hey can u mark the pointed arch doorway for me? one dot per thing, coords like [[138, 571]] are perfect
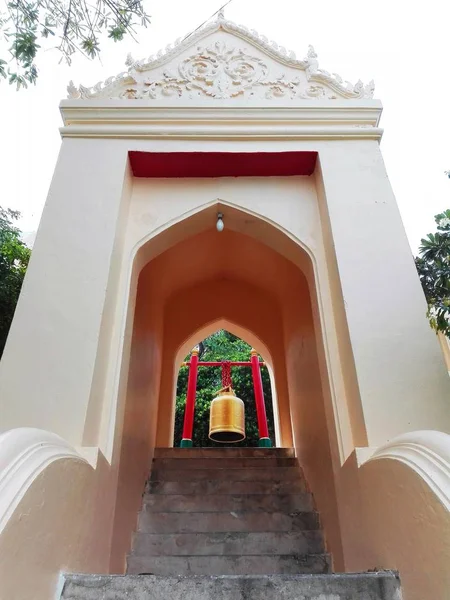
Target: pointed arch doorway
[[251, 278], [187, 279]]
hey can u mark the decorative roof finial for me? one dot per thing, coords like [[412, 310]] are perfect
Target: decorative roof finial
[[130, 60], [311, 59], [311, 52], [72, 91]]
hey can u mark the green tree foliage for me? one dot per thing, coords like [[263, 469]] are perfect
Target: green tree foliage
[[14, 257], [74, 25], [433, 266], [222, 345]]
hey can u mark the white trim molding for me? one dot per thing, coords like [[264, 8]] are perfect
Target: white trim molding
[[318, 120], [24, 453], [427, 453]]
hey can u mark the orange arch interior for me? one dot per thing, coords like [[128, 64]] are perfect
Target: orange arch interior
[[254, 277]]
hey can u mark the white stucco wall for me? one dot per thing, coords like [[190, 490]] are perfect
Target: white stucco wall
[[399, 364], [57, 323]]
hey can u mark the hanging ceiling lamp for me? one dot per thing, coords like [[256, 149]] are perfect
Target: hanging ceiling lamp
[[220, 224]]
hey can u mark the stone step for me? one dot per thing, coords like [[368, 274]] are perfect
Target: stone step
[[192, 522], [229, 565], [228, 544], [345, 586], [223, 463], [224, 452], [228, 502], [222, 486], [244, 474]]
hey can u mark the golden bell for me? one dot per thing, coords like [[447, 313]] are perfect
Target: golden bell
[[227, 418]]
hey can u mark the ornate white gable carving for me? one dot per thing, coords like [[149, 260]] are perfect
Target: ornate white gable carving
[[230, 62]]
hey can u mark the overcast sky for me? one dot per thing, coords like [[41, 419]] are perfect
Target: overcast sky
[[403, 46]]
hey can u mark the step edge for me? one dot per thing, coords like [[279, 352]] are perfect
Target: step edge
[[296, 495], [234, 468], [234, 556], [369, 574], [293, 513], [217, 532], [213, 450], [206, 494]]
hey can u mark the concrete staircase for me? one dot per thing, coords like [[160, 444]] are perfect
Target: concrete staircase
[[233, 523], [227, 512]]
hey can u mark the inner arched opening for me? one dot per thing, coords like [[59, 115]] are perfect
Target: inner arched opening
[[224, 347]]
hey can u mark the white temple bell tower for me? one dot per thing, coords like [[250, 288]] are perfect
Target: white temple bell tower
[[313, 263]]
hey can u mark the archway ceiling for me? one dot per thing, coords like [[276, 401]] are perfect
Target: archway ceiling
[[239, 221], [229, 255]]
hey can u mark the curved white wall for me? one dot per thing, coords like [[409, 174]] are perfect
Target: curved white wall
[[405, 492], [55, 513]]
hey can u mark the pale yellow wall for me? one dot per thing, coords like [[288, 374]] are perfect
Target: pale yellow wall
[[406, 528], [77, 302], [139, 430], [422, 531], [399, 366], [64, 294], [311, 436], [351, 430], [155, 204], [91, 351], [92, 435], [62, 523], [444, 342]]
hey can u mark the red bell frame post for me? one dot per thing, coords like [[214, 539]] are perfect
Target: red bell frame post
[[264, 439], [188, 425]]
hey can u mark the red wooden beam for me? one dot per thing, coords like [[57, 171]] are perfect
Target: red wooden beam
[[219, 364], [222, 164]]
